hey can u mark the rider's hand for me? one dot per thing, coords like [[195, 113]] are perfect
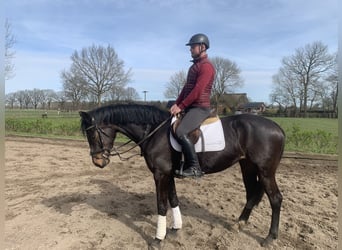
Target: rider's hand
[[174, 110]]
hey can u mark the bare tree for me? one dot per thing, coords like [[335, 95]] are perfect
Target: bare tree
[[307, 67], [27, 98], [74, 86], [61, 99], [48, 97], [21, 98], [130, 94], [227, 77], [175, 85], [332, 86], [286, 90], [9, 53], [117, 91], [37, 97], [100, 68], [11, 99]]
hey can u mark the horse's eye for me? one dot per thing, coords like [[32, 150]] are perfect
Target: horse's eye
[[93, 136]]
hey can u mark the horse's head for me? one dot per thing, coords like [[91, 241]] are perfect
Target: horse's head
[[100, 138]]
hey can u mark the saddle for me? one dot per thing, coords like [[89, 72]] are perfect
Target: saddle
[[195, 134]]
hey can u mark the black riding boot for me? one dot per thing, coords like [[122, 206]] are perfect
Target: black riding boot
[[192, 167]]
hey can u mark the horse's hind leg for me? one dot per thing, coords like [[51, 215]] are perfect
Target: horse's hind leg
[[275, 198], [257, 182], [254, 189]]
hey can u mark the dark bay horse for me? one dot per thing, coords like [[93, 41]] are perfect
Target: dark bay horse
[[255, 142]]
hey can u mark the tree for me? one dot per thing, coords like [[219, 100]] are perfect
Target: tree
[[61, 99], [37, 96], [27, 98], [116, 93], [100, 68], [303, 72], [227, 77], [9, 53], [286, 91], [175, 85], [21, 98], [332, 86], [130, 94], [11, 99], [49, 96], [74, 86]]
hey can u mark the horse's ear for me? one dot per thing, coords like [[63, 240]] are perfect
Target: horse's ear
[[85, 116]]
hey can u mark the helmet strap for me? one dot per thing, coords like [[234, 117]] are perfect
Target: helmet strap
[[201, 51]]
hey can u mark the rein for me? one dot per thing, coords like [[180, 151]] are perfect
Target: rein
[[117, 153]]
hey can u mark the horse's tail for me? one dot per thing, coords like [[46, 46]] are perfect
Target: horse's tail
[[283, 139]]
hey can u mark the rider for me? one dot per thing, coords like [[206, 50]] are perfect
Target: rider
[[194, 100]]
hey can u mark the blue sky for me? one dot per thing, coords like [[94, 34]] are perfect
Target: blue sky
[[150, 36]]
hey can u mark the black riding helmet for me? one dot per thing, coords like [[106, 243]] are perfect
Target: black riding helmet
[[199, 39]]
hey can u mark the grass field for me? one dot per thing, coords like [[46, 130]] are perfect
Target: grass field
[[309, 124], [30, 122], [313, 135], [31, 113]]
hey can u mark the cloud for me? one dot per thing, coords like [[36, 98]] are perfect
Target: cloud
[[150, 36]]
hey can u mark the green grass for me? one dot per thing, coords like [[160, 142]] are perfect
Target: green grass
[[56, 125], [309, 124], [31, 113], [313, 135]]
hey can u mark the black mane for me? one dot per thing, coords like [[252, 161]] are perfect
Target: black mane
[[122, 114]]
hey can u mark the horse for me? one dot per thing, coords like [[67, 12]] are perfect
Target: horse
[[257, 143]]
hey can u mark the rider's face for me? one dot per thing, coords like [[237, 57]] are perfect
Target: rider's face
[[195, 50]]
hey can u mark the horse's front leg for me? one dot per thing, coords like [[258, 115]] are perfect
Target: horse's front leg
[[173, 199], [162, 182]]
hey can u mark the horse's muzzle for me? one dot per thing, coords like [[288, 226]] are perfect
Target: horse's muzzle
[[101, 159]]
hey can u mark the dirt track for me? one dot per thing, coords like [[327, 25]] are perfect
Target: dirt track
[[56, 199]]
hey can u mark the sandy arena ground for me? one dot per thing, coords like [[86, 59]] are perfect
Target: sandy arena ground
[[56, 199]]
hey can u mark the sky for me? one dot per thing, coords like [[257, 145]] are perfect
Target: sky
[[150, 37]]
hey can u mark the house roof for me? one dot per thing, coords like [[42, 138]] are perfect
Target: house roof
[[234, 99]]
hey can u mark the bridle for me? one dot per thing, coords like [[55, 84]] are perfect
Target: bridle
[[107, 152]]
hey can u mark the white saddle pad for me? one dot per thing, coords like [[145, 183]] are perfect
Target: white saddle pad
[[213, 137]]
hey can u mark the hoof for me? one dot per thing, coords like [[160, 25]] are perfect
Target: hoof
[[238, 226], [155, 244], [172, 233], [269, 239], [178, 174]]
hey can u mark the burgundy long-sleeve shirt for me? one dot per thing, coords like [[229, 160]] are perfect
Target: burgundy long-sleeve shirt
[[197, 89]]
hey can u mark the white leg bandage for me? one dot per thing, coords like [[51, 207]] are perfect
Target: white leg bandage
[[161, 227], [177, 218]]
